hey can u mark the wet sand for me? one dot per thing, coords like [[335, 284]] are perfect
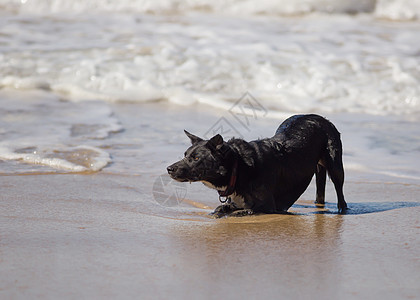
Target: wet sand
[[105, 236]]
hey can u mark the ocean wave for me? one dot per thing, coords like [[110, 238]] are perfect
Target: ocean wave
[[391, 9], [315, 63], [311, 64]]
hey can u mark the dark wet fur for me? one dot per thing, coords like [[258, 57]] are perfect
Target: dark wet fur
[[272, 173]]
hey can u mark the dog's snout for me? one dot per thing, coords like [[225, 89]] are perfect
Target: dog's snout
[[171, 169]]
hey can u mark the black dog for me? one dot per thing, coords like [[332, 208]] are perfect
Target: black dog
[[267, 175]]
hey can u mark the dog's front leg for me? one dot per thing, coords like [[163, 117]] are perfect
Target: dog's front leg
[[241, 212], [223, 210]]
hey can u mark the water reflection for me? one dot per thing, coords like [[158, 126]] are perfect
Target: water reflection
[[291, 250]]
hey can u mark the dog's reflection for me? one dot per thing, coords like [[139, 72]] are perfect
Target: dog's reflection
[[290, 248]]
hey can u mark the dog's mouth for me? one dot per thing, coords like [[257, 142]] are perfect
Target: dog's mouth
[[181, 177]]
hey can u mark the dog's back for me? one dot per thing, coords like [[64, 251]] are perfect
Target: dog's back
[[301, 125]]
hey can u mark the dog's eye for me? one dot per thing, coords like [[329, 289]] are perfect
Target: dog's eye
[[196, 158]]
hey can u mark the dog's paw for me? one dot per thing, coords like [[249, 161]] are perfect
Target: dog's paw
[[343, 210], [217, 215], [241, 213], [221, 211]]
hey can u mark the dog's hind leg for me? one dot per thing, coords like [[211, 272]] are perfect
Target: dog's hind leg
[[336, 171], [321, 176], [334, 165], [285, 199]]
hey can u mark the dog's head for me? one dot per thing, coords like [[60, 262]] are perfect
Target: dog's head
[[206, 160]]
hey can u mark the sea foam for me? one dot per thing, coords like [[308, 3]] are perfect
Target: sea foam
[[334, 63], [38, 128], [71, 159], [393, 9]]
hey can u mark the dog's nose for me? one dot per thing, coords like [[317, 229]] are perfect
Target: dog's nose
[[170, 169]]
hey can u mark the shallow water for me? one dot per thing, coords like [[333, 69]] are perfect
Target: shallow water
[[41, 133], [93, 107]]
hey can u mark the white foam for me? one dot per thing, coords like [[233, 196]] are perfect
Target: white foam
[[37, 128], [72, 159], [238, 7], [390, 9], [317, 63], [399, 10]]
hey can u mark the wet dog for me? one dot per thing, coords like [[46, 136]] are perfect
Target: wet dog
[[267, 175]]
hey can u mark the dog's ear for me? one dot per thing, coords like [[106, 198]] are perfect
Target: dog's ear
[[246, 153], [249, 161], [194, 139], [216, 141]]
